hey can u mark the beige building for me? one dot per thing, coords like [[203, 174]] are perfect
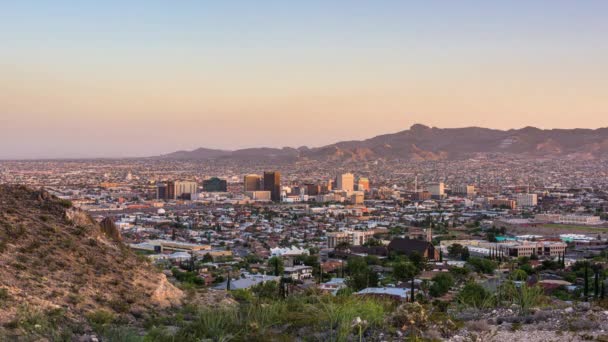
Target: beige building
[[466, 190], [346, 182], [252, 183], [263, 196], [526, 200], [436, 189], [357, 197], [180, 189], [352, 237], [502, 202], [542, 248]]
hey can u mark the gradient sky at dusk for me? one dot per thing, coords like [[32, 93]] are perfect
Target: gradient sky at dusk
[[137, 78]]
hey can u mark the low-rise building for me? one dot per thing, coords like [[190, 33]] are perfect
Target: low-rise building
[[299, 272]]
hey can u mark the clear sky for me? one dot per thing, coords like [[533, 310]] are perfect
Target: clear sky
[[137, 78]]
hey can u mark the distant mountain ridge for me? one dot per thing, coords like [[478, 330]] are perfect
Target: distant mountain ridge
[[422, 142]]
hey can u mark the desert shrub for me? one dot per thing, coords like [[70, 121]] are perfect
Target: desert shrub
[[3, 244], [524, 296], [65, 203], [478, 326], [411, 318], [4, 296], [242, 295], [100, 318], [36, 321], [474, 295], [218, 325], [121, 334], [119, 305], [187, 277]]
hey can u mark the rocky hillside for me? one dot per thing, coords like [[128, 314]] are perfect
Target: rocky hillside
[[54, 258], [431, 143]]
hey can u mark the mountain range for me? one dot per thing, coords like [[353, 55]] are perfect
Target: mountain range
[[421, 142]]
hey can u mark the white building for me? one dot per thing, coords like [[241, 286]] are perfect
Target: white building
[[352, 237], [299, 272], [289, 251], [526, 200]]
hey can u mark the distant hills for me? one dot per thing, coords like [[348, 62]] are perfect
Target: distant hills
[[421, 142]]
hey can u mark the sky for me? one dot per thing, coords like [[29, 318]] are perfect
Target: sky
[[140, 78]]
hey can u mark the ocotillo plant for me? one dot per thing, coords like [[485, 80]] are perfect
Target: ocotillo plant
[[586, 288]]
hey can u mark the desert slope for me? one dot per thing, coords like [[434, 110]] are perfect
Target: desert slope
[[54, 257]]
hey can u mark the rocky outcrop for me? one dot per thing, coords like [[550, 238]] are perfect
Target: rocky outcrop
[[53, 256], [165, 294], [109, 229]]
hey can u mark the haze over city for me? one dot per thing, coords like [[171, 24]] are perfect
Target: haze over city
[[144, 78]]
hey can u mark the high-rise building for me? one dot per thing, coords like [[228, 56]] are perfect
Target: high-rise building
[[437, 190], [272, 183], [363, 184], [252, 183], [330, 185], [466, 190], [215, 184], [313, 189], [526, 200], [185, 189], [170, 190], [346, 182], [161, 191], [180, 190]]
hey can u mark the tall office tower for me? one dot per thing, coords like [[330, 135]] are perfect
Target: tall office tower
[[252, 183], [346, 182], [363, 184], [272, 183], [436, 189], [215, 184], [184, 189], [161, 191], [170, 190]]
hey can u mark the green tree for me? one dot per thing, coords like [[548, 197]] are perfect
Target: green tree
[[266, 290], [482, 265], [455, 250], [518, 275], [276, 264], [473, 295], [360, 274], [441, 284], [404, 270]]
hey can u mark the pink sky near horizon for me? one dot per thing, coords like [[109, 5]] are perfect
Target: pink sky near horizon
[[92, 83]]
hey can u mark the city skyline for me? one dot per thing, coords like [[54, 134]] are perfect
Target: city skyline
[[143, 79]]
